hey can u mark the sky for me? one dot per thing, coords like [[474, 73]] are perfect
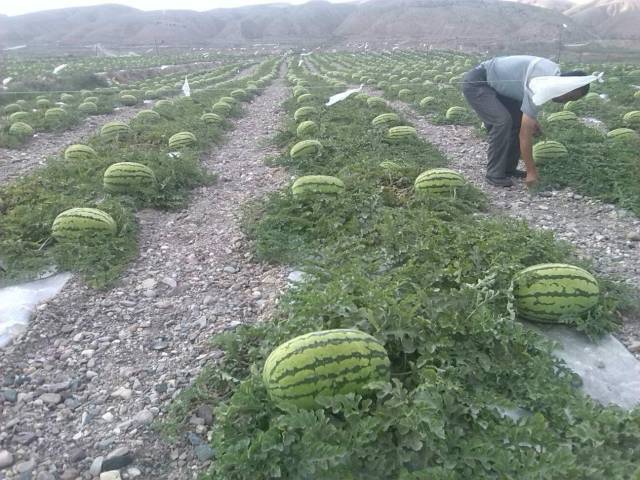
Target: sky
[[9, 7]]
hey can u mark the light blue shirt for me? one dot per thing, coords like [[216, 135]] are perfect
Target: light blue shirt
[[509, 76]]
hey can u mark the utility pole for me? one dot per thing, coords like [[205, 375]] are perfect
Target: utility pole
[[560, 31]]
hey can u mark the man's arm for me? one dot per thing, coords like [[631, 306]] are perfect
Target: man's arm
[[528, 129]]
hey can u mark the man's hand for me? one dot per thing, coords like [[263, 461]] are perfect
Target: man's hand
[[532, 180]]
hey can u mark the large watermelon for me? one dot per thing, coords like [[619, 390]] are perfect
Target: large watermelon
[[549, 150], [632, 119], [306, 148], [456, 114], [148, 116], [401, 133], [304, 113], [20, 129], [211, 118], [317, 184], [622, 134], [79, 152], [307, 128], [386, 119], [324, 363], [554, 292], [438, 180], [114, 130], [182, 140], [82, 223], [566, 116], [88, 108], [128, 177], [376, 102]]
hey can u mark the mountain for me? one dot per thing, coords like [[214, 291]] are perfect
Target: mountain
[[609, 18], [558, 5], [442, 22]]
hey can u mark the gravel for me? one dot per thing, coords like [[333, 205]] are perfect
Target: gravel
[[95, 368]]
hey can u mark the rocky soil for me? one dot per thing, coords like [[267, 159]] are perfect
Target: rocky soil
[[610, 236], [82, 388]]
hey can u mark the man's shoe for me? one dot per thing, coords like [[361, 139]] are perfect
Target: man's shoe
[[500, 181], [517, 174]]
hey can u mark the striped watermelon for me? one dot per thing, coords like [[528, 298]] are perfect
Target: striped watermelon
[[456, 114], [305, 98], [631, 119], [88, 108], [438, 180], [79, 152], [19, 117], [20, 129], [228, 100], [82, 223], [622, 134], [182, 140], [376, 102], [304, 113], [211, 119], [221, 108], [426, 101], [390, 166], [239, 94], [306, 148], [43, 103], [55, 115], [565, 116], [315, 184], [148, 116], [297, 91], [571, 105], [385, 119], [307, 128], [401, 133], [554, 292], [549, 150], [324, 363], [405, 94], [164, 108], [128, 177], [128, 100], [12, 108], [114, 130]]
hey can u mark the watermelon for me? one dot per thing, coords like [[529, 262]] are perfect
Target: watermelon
[[164, 108], [55, 114], [128, 100], [571, 105], [297, 91], [221, 108], [324, 363], [376, 102], [12, 108], [306, 148], [456, 114], [211, 119], [305, 98], [18, 117], [239, 94], [88, 108], [549, 150], [82, 223], [566, 116], [622, 134], [631, 119], [390, 166], [554, 292], [43, 103], [182, 140], [426, 101], [307, 128], [405, 94], [315, 184], [20, 129], [114, 130], [438, 180], [79, 152], [304, 113], [128, 177], [385, 119], [147, 116], [401, 133]]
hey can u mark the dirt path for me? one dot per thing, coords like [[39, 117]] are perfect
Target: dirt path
[[96, 368], [607, 234]]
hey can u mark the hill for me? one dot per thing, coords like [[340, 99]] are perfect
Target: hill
[[609, 18]]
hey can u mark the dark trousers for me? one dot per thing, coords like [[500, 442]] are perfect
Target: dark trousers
[[501, 116]]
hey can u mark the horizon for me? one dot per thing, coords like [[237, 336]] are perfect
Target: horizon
[[34, 6]]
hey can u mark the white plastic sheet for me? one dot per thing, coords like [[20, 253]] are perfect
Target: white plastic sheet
[[548, 87], [338, 97], [185, 87], [59, 68]]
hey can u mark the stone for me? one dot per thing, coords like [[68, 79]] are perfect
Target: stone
[[70, 474], [77, 454], [123, 393], [10, 395], [143, 417], [133, 472], [24, 438], [6, 459], [45, 476], [108, 417], [204, 452], [27, 466], [51, 399], [634, 347], [117, 459], [633, 236], [110, 475], [149, 284], [96, 466], [205, 412]]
